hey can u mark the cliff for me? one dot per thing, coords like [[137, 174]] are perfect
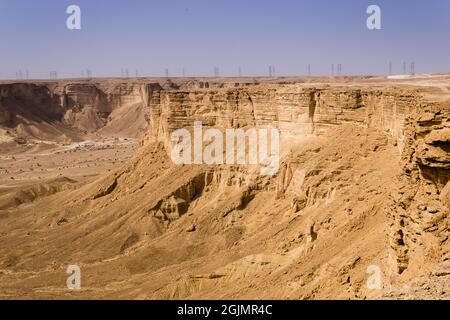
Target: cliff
[[66, 111], [363, 184]]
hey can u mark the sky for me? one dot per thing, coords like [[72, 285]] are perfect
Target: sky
[[198, 35]]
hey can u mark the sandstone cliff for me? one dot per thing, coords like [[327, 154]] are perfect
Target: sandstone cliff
[[363, 182], [65, 111]]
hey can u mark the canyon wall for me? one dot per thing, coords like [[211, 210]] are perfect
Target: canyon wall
[[293, 109], [70, 110], [417, 215], [419, 210]]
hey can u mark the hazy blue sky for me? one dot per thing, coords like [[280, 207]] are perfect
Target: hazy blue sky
[[151, 35]]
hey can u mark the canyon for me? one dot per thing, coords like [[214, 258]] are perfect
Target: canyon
[[86, 179]]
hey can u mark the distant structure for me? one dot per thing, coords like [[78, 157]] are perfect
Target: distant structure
[[19, 75], [137, 73], [216, 72], [183, 73], [413, 67], [270, 71], [309, 70], [53, 75], [166, 72], [339, 69], [273, 71], [88, 73], [404, 67], [332, 69]]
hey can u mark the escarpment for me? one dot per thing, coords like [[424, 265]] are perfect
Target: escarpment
[[295, 110], [418, 213], [420, 208], [66, 111], [362, 184]]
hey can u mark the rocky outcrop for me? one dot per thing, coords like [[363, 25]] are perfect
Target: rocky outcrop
[[73, 109], [418, 211], [294, 109], [420, 208]]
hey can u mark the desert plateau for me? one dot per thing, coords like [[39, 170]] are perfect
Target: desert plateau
[[86, 179]]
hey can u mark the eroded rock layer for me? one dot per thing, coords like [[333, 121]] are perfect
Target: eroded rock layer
[[363, 185]]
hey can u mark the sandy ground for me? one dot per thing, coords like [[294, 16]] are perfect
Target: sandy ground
[[40, 162]]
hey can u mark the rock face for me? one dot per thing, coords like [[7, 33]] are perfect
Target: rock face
[[419, 210], [363, 184], [418, 218], [73, 110], [293, 109]]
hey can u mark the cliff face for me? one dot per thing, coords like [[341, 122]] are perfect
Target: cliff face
[[418, 212], [363, 182], [293, 109], [72, 111], [87, 107]]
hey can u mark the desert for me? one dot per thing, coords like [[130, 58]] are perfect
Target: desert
[[362, 190]]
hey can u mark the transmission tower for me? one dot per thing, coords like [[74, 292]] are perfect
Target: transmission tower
[[339, 69]]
